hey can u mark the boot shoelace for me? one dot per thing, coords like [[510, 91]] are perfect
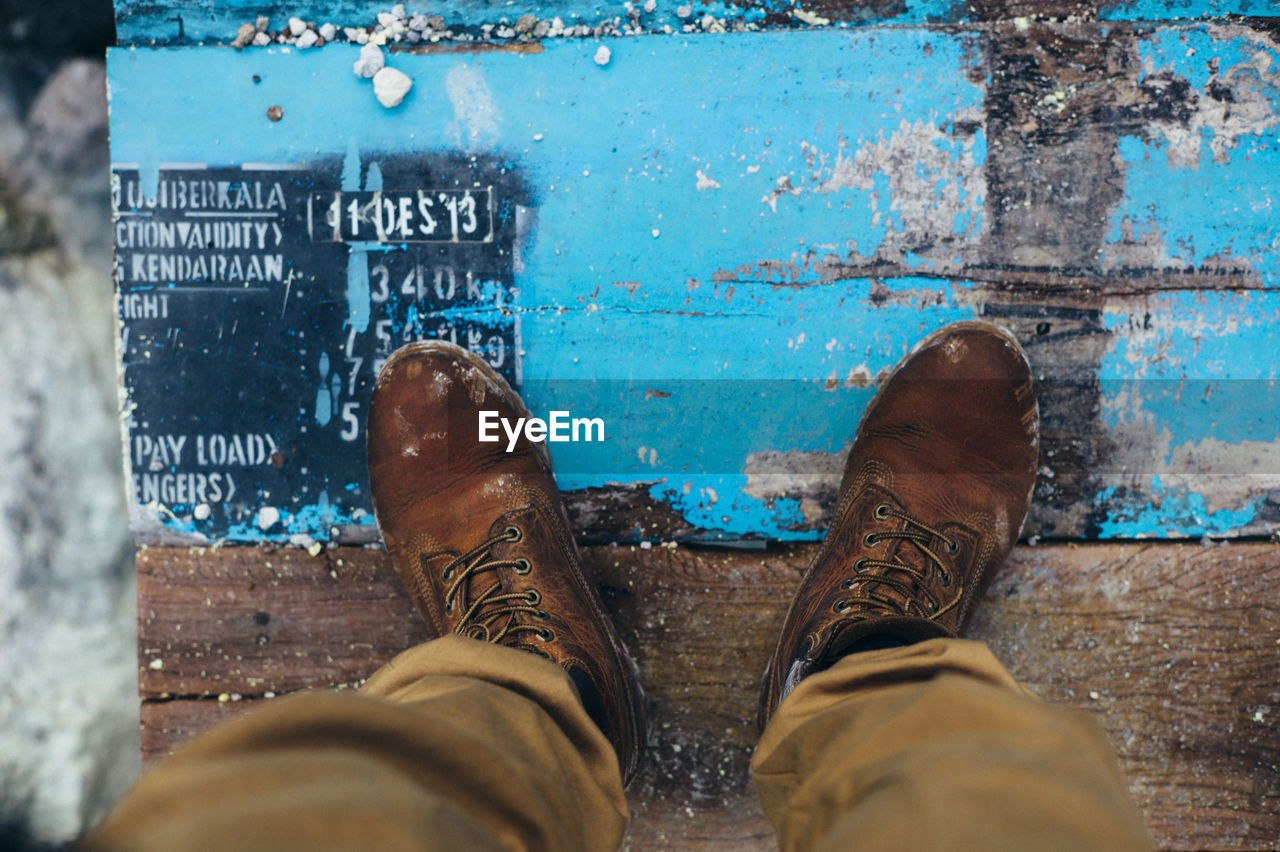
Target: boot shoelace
[[922, 536], [491, 615]]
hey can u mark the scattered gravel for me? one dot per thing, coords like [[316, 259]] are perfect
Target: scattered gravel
[[397, 26]]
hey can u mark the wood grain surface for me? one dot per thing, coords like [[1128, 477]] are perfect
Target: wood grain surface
[[1174, 647]]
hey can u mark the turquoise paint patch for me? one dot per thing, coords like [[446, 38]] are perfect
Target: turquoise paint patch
[[1207, 199], [1164, 10], [1173, 513], [359, 303]]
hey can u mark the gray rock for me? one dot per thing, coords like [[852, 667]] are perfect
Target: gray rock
[[68, 721], [391, 86], [244, 36], [370, 62]]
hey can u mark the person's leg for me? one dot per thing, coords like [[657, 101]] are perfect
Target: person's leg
[[455, 744], [882, 730], [516, 731], [934, 745]]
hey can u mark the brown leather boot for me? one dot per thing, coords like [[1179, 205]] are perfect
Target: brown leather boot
[[934, 493], [480, 537]]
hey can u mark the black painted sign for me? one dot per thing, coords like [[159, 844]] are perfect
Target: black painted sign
[[257, 304]]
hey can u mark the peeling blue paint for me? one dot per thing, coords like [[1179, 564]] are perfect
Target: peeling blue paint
[[1168, 513], [1202, 192], [690, 234], [142, 22]]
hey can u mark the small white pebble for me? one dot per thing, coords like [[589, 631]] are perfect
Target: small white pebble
[[1093, 694], [656, 233], [297, 26], [307, 39], [202, 512], [391, 86], [537, 137], [268, 516], [156, 664], [650, 5], [328, 32], [684, 11], [224, 698], [261, 40], [603, 54], [646, 545], [316, 548], [371, 61]]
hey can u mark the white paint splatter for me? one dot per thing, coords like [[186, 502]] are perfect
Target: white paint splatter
[[705, 182], [476, 116]]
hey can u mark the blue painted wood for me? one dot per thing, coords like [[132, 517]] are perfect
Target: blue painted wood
[[686, 216], [144, 22]]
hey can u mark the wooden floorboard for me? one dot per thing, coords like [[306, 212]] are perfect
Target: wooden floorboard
[[1175, 648]]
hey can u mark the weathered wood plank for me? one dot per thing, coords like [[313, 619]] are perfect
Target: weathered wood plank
[[142, 22], [1107, 189], [1175, 648]]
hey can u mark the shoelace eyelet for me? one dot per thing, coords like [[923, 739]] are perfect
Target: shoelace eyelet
[[534, 597], [542, 615], [858, 565], [512, 532], [953, 546], [841, 606], [523, 566], [881, 512], [870, 540], [545, 634]]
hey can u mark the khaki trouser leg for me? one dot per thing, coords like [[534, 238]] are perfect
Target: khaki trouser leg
[[936, 746], [455, 744]]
